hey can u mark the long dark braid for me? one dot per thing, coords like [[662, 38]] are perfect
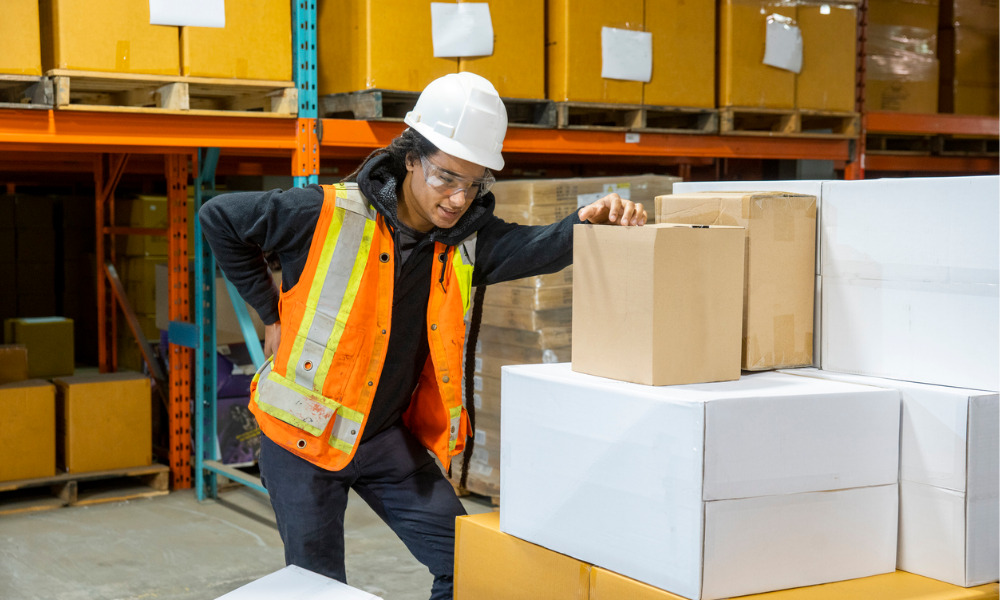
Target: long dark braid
[[407, 143], [470, 369]]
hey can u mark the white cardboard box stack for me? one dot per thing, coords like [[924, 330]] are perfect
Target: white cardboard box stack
[[705, 490]]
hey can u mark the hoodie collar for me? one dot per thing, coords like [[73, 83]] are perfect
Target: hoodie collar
[[381, 185]]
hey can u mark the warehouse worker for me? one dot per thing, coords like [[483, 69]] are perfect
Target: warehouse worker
[[366, 335]]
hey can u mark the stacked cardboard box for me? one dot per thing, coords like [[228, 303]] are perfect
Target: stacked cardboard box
[[744, 79], [256, 43], [19, 29], [902, 65], [48, 341], [829, 56], [27, 429], [969, 42]]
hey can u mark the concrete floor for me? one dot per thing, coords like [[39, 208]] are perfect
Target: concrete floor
[[174, 548]]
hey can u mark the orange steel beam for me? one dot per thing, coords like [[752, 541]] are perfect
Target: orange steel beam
[[181, 358], [306, 159], [932, 164], [108, 170], [932, 124], [344, 137]]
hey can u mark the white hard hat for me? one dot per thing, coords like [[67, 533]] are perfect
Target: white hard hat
[[462, 115]]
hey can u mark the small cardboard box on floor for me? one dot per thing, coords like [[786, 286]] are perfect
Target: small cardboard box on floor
[[27, 430], [707, 491], [780, 267], [949, 505], [658, 305], [104, 422]]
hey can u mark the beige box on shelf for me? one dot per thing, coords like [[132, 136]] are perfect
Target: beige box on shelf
[[574, 52], [516, 569], [256, 43], [780, 267], [371, 38], [104, 422], [27, 430], [517, 66], [744, 79], [49, 341], [523, 318], [526, 297], [829, 57], [673, 316], [22, 54], [684, 53], [127, 43]]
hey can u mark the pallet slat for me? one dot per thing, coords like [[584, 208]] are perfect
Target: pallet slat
[[81, 489], [788, 123], [393, 105], [25, 91]]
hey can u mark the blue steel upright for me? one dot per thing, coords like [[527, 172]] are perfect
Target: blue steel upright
[[304, 56]]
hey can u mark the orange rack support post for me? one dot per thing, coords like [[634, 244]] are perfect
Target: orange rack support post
[[108, 169], [179, 309]]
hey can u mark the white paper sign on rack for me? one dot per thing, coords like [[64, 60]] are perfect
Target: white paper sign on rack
[[783, 44], [461, 29], [626, 54], [194, 13]]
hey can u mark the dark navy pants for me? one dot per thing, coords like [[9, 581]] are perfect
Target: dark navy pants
[[394, 474]]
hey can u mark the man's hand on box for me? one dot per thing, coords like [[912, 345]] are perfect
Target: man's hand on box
[[612, 210]]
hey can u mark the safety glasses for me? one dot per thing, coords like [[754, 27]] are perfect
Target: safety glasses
[[445, 182]]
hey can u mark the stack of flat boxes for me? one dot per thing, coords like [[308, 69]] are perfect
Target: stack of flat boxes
[[528, 321], [142, 253]]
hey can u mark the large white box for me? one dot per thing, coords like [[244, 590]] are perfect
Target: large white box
[[910, 273], [705, 490], [296, 583], [949, 479]]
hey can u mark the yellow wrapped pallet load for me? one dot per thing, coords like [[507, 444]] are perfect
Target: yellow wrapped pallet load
[[378, 44], [829, 57], [683, 53], [19, 31], [256, 43], [576, 52], [744, 79], [516, 66], [127, 43], [902, 65]]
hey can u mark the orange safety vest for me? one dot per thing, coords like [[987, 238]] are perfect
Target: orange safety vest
[[313, 398]]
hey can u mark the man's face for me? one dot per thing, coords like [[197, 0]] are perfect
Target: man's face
[[438, 190]]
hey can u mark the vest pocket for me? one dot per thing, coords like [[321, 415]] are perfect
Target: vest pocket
[[296, 406]]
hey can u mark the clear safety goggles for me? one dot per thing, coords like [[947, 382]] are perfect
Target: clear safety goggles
[[448, 183]]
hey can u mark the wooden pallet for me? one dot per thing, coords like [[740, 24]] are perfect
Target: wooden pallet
[[900, 145], [598, 116], [829, 124], [81, 489], [949, 145], [126, 92], [758, 121], [392, 105], [25, 91], [670, 119]]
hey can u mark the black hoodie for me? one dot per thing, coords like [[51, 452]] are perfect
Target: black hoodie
[[241, 227]]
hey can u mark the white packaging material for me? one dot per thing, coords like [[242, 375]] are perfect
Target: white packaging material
[[296, 583], [910, 279], [662, 484], [949, 479]]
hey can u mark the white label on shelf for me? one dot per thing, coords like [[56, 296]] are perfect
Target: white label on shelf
[[626, 54], [632, 138], [783, 44], [461, 29], [194, 13]]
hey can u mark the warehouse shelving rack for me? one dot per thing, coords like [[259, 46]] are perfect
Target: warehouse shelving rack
[[177, 146]]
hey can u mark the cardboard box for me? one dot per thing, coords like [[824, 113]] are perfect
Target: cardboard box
[[641, 323], [527, 319], [564, 277], [49, 341], [829, 57], [744, 79], [949, 482], [551, 337], [13, 363], [515, 569], [973, 100], [22, 53], [525, 297], [94, 410], [683, 53], [902, 66], [574, 53], [517, 66], [707, 491], [372, 36], [27, 430], [779, 270], [969, 65], [295, 583], [127, 43], [910, 279], [256, 43], [912, 14], [984, 14]]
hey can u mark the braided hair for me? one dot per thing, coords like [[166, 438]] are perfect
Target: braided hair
[[407, 143]]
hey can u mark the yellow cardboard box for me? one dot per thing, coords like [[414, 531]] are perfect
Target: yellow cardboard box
[[683, 53], [829, 57], [515, 569], [106, 35], [27, 430], [22, 54], [744, 79], [256, 43], [517, 66], [378, 44], [573, 49], [104, 421], [49, 341], [780, 267], [13, 363]]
